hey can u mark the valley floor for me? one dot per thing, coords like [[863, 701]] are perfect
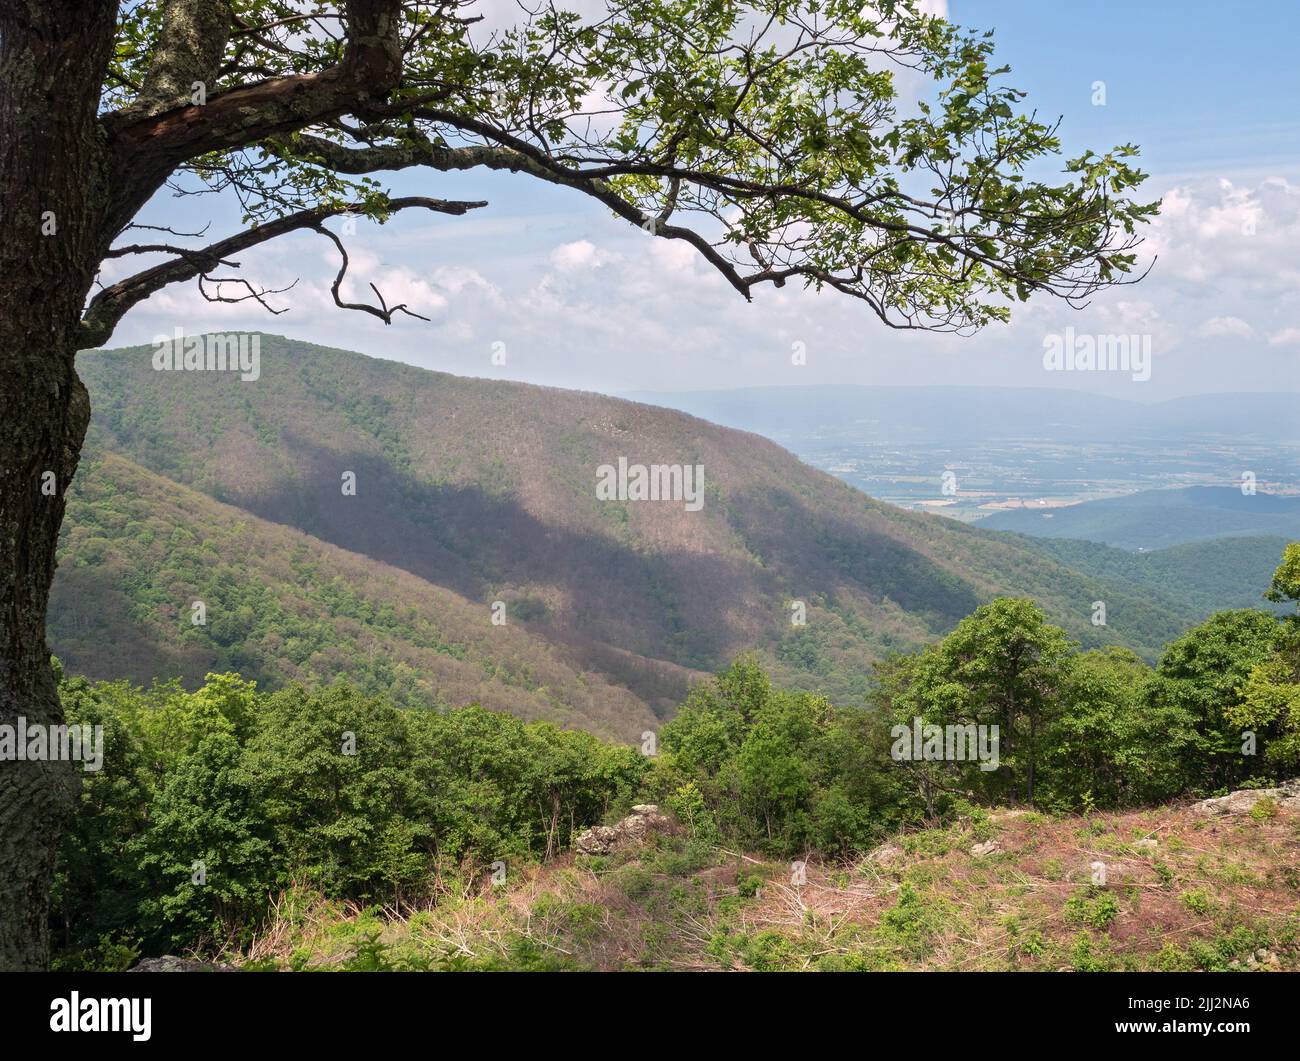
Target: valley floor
[[1007, 890]]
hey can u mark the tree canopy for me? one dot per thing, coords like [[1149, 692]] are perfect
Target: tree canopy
[[874, 151]]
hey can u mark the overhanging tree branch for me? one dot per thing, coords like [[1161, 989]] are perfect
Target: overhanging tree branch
[[785, 142], [384, 312], [108, 307], [509, 152]]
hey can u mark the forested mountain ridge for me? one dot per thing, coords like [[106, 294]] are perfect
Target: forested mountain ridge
[[487, 489], [140, 551], [1205, 575]]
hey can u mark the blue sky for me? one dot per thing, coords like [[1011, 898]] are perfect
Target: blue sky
[[1202, 87], [580, 300]]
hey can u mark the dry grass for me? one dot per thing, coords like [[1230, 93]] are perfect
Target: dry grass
[[1211, 892]]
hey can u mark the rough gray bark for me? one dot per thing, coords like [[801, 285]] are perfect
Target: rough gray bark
[[70, 180], [52, 59]]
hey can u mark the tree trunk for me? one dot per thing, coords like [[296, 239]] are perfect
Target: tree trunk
[[53, 54]]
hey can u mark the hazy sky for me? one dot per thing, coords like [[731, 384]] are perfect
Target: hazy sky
[[580, 299]]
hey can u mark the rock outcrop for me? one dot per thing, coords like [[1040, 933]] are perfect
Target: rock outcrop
[[1243, 800], [169, 963], [885, 854], [604, 839]]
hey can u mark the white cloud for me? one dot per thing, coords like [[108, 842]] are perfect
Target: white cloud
[[1218, 326], [579, 255], [584, 299]]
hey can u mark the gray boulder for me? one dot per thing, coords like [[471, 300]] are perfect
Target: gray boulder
[[885, 854], [604, 839], [1243, 800]]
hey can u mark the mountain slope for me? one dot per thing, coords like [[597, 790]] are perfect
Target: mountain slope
[[281, 606], [487, 489], [1208, 575], [1154, 519]]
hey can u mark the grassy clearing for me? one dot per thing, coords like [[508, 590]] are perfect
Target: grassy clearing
[[1161, 889]]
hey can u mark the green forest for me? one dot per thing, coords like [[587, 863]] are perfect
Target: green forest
[[196, 489], [212, 805]]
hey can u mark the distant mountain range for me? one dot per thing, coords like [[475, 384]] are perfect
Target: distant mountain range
[[200, 487], [946, 414]]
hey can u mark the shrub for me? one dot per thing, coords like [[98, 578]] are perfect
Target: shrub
[[1094, 908]]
